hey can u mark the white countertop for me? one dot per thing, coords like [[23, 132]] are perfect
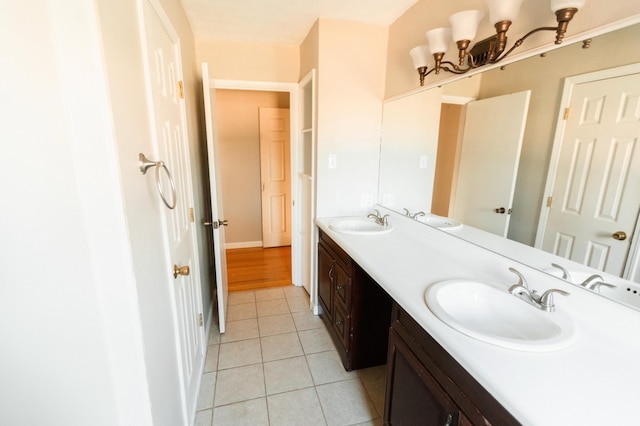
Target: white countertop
[[595, 381]]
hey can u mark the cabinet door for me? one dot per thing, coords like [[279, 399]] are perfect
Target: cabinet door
[[326, 268], [413, 394], [342, 287], [342, 325]]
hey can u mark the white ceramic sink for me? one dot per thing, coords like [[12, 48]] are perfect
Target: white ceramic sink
[[497, 317], [359, 226], [439, 221]]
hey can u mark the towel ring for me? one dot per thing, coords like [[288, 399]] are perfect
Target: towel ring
[[145, 164]]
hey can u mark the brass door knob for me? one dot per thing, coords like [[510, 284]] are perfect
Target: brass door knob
[[620, 235], [182, 270]]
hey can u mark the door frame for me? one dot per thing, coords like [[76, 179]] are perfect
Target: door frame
[[632, 264], [292, 89]]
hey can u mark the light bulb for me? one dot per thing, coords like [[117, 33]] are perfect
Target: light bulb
[[420, 56], [464, 25], [439, 39]]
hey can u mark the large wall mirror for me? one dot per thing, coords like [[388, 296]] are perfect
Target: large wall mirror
[[444, 155]]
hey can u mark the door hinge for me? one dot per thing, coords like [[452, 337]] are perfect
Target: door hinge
[[200, 321], [550, 201], [567, 113], [192, 214], [181, 89]]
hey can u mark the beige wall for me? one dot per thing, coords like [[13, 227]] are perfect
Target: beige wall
[[239, 158], [236, 60], [543, 76], [309, 56], [351, 58], [446, 167], [408, 31]]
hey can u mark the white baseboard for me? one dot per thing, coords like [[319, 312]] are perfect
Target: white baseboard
[[245, 244]]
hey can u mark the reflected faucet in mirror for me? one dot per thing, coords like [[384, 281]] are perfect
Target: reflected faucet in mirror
[[414, 215]]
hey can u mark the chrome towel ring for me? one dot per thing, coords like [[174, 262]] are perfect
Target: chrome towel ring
[[145, 164]]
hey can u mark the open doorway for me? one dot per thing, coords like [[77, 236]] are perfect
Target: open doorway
[[254, 261]]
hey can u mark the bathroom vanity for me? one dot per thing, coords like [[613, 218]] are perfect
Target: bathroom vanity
[[435, 371], [354, 307]]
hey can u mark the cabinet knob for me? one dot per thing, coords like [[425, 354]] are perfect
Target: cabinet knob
[[449, 420], [339, 322], [339, 287]]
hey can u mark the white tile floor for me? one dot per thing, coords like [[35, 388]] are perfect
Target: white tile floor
[[277, 365]]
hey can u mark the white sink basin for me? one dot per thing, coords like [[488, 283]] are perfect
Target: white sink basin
[[439, 221], [497, 317], [359, 226]]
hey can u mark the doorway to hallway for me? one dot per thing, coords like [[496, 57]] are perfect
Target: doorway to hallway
[[258, 268]]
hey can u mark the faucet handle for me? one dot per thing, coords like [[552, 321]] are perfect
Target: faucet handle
[[546, 300], [565, 274], [596, 286], [521, 281]]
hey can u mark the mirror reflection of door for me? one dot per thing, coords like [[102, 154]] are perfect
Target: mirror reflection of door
[[275, 177], [596, 196], [491, 146]]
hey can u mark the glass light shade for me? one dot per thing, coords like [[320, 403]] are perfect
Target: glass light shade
[[420, 55], [439, 39], [564, 4], [503, 10], [464, 25]]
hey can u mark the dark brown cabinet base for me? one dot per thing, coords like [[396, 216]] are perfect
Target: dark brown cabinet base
[[355, 309], [426, 386]]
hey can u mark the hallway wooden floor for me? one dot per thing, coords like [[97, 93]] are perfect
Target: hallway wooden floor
[[258, 268]]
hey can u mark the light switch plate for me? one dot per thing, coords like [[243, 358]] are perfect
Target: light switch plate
[[366, 200], [333, 161]]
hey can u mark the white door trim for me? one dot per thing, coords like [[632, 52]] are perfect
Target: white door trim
[[292, 89], [632, 267]]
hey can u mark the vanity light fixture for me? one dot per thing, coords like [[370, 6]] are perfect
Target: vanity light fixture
[[491, 50]]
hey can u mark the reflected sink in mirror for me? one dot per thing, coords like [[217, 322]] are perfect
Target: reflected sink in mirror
[[440, 222], [497, 317], [359, 226]]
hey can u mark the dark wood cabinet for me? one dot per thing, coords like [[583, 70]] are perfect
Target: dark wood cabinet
[[355, 309], [426, 386]]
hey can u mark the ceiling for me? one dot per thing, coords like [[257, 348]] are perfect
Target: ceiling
[[282, 21]]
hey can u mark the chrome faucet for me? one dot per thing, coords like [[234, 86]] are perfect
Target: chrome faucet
[[380, 220], [594, 282], [544, 302], [413, 216], [565, 274]]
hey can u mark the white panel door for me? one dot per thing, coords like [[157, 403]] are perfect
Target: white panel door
[[164, 74], [491, 145], [597, 187], [275, 174], [222, 285]]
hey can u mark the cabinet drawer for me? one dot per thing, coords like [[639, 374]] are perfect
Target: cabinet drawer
[[341, 324], [341, 256]]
